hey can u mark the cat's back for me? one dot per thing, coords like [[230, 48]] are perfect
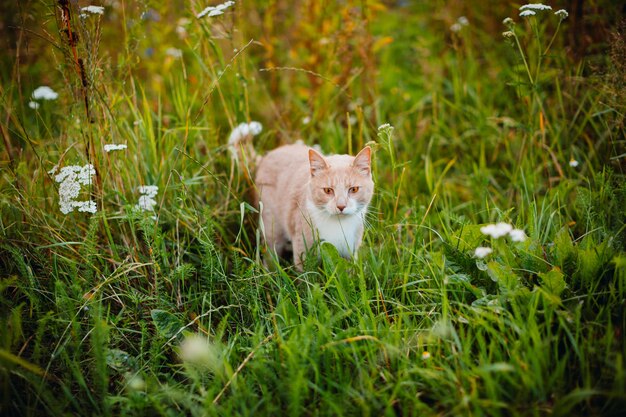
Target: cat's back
[[283, 165]]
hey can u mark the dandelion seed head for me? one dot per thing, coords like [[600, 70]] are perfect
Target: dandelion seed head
[[562, 14], [517, 235], [480, 252], [45, 93], [114, 147], [535, 6], [496, 230]]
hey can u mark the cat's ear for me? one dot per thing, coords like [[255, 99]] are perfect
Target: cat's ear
[[363, 161], [317, 161]]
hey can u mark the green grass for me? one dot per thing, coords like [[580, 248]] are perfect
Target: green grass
[[95, 307]]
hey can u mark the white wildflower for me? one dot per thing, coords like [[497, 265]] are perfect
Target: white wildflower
[[53, 170], [562, 14], [481, 251], [149, 190], [146, 200], [215, 10], [508, 34], [135, 383], [535, 6], [114, 147], [573, 163], [517, 235], [306, 120], [86, 206], [70, 179], [33, 105], [496, 230], [527, 13], [174, 52], [508, 22], [198, 350], [385, 127], [243, 131], [425, 355], [458, 25], [92, 9], [45, 93]]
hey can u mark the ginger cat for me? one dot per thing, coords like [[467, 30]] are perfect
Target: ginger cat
[[307, 197]]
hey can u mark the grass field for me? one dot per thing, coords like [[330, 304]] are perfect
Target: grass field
[[119, 298]]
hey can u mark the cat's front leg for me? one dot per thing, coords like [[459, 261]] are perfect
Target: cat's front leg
[[302, 241]]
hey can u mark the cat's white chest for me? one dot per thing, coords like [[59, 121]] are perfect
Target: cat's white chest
[[341, 231]]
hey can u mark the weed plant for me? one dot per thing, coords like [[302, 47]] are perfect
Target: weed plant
[[155, 301]]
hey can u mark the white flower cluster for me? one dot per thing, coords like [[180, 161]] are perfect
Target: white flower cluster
[[215, 10], [385, 126], [93, 9], [243, 131], [42, 93], [70, 179], [174, 52], [459, 24], [45, 93], [561, 14], [198, 350], [147, 201], [535, 6], [499, 230], [481, 252], [114, 147], [532, 9]]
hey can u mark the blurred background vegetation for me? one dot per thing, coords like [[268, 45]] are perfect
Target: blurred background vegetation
[[95, 308]]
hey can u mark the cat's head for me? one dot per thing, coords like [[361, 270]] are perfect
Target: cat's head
[[341, 184]]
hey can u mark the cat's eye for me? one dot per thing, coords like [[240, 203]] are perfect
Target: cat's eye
[[328, 190], [353, 190]]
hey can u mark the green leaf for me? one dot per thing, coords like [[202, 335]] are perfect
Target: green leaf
[[468, 238], [119, 360], [508, 281], [552, 281], [167, 324]]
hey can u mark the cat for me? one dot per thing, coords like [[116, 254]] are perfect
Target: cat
[[306, 198]]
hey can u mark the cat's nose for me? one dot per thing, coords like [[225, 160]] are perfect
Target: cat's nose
[[341, 207]]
